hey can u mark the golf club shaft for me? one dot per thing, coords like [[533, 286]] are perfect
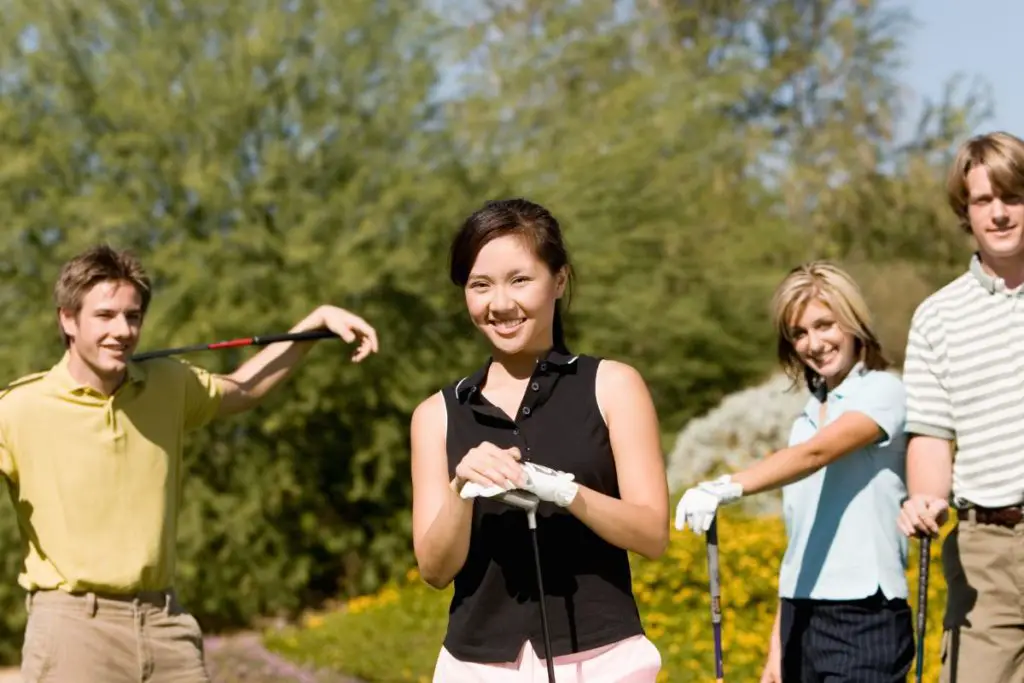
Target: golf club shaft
[[922, 600], [548, 656], [716, 596], [261, 340]]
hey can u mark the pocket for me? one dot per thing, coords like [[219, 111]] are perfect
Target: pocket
[[193, 631], [37, 648]]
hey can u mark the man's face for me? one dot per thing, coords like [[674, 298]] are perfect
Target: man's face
[[997, 222], [106, 330]]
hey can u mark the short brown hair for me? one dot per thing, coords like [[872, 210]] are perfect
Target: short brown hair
[[93, 266], [1002, 154]]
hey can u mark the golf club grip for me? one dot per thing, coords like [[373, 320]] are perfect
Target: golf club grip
[[321, 333], [261, 340], [924, 565], [716, 596], [548, 657]]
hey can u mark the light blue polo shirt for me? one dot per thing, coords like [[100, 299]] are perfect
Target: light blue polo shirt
[[841, 521]]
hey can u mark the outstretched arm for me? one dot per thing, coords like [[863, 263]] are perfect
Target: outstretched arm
[[244, 388], [638, 521], [874, 413], [847, 434]]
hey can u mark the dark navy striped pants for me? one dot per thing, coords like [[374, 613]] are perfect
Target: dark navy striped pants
[[854, 641]]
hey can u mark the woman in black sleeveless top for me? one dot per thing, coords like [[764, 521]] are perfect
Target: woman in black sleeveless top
[[535, 401]]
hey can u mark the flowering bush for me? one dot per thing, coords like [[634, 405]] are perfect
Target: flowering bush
[[745, 427], [394, 635]]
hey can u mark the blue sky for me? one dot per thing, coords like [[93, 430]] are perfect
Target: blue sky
[[975, 38]]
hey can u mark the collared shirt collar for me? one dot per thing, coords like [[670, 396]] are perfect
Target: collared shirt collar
[[852, 379], [543, 380], [556, 361], [991, 284], [63, 378]]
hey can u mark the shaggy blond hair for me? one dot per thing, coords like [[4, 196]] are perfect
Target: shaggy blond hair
[[830, 285], [1002, 154]]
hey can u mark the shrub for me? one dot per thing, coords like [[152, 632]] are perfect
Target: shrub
[[742, 429], [394, 635]]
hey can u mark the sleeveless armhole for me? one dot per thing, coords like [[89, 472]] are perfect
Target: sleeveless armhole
[[597, 397], [444, 406]]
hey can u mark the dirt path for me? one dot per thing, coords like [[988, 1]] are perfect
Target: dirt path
[[241, 658]]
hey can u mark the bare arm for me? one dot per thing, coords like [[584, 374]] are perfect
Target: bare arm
[[848, 433], [244, 388], [639, 520], [929, 483], [441, 519], [773, 667], [929, 466]]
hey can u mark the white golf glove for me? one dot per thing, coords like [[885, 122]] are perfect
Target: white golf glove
[[699, 504], [547, 484]]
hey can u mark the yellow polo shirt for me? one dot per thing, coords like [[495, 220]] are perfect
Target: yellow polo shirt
[[96, 481]]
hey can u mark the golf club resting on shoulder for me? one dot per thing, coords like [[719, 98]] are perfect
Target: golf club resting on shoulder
[[87, 574], [535, 476]]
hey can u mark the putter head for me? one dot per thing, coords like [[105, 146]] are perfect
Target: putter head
[[518, 498]]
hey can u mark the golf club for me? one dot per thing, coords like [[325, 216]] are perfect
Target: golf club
[[525, 500], [716, 596], [924, 565], [262, 340]]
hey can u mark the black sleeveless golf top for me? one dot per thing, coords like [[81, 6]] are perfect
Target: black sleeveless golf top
[[587, 583]]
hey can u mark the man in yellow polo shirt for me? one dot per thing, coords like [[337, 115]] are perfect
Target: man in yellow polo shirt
[[92, 449]]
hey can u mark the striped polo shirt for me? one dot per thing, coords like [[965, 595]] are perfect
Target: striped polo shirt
[[964, 378]]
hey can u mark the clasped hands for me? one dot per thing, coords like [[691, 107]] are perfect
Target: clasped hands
[[487, 471]]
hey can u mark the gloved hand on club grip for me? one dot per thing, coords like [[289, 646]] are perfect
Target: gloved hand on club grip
[[699, 504], [547, 484], [550, 485]]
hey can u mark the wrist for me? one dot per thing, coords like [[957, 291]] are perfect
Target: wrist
[[567, 494], [314, 321], [726, 488]]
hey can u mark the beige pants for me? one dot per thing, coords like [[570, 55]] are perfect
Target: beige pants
[[983, 632], [90, 639]]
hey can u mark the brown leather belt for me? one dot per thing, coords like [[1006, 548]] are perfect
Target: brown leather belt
[[1008, 517]]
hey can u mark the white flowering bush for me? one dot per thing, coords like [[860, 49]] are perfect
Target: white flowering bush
[[743, 428]]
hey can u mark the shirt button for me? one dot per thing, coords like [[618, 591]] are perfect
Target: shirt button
[[543, 367], [526, 410], [516, 432], [535, 386]]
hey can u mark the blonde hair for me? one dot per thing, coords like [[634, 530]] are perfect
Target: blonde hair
[[1002, 154], [830, 285]]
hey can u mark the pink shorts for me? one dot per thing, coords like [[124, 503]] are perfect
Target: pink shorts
[[633, 660]]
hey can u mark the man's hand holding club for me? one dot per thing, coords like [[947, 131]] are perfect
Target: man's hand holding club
[[923, 515]]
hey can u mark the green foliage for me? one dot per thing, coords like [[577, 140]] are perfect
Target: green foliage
[[265, 157], [394, 635]]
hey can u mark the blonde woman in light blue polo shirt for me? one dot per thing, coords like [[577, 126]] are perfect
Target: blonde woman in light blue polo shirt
[[843, 613]]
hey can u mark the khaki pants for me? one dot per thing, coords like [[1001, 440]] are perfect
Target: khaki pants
[[983, 629], [90, 639]]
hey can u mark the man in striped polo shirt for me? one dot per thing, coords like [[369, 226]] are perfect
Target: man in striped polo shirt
[[964, 378]]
